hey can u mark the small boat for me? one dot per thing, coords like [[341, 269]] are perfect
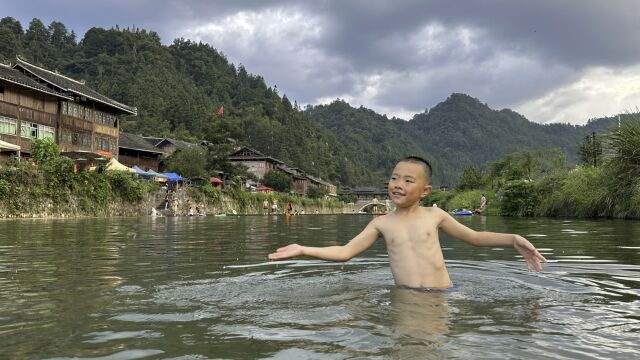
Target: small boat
[[220, 215], [461, 212]]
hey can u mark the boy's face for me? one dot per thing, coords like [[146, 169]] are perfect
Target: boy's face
[[408, 184]]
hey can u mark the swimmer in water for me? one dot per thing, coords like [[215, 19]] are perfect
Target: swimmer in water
[[411, 234]]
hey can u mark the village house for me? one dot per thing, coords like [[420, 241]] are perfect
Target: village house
[[300, 180], [136, 150], [328, 188], [38, 103], [256, 162]]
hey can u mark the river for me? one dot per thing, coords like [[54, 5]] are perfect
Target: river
[[200, 288]]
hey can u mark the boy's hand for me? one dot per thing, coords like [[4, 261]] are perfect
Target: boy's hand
[[286, 252], [529, 252]]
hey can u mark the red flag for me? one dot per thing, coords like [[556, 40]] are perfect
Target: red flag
[[220, 111]]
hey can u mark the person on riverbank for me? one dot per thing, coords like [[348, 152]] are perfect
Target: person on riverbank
[[411, 234], [265, 207]]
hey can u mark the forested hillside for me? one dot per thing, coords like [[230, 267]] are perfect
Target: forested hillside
[[178, 88]]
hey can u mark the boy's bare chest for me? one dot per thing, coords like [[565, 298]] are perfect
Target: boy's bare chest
[[410, 233]]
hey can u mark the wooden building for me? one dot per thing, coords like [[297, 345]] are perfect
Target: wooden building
[[257, 162], [366, 192], [300, 180], [38, 103], [28, 109], [328, 188], [136, 150]]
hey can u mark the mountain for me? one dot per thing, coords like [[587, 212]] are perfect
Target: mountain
[[457, 132], [462, 131]]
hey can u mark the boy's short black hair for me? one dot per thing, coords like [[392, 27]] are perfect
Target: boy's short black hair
[[418, 160]]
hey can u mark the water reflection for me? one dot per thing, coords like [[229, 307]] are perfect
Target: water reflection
[[421, 315]]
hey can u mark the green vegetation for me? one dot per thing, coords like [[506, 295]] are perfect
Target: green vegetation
[[277, 180], [51, 183], [539, 184]]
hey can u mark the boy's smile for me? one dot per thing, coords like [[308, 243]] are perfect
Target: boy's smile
[[408, 184]]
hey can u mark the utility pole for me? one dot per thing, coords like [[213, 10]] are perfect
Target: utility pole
[[594, 149]]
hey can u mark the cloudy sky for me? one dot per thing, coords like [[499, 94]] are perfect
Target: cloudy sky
[[552, 61]]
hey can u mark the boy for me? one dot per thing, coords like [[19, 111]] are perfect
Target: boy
[[411, 234]]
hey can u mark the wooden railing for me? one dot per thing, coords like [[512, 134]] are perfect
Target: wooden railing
[[38, 116], [26, 114], [76, 123]]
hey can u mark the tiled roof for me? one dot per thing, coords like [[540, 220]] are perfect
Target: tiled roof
[[14, 76], [318, 180], [180, 144], [252, 154], [136, 142], [72, 86]]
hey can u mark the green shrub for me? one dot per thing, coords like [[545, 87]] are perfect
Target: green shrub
[[465, 200], [440, 198], [211, 194], [125, 185], [4, 188], [578, 193], [316, 193], [518, 198]]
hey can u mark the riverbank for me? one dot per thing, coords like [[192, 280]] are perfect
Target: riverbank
[[32, 205]]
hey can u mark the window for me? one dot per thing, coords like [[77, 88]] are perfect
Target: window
[[82, 139], [33, 130], [47, 132], [37, 131], [65, 136], [1, 89], [8, 125], [25, 129]]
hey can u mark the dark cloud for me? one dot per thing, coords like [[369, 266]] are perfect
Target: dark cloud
[[398, 56]]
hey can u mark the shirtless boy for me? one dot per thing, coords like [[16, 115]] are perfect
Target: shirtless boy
[[411, 234]]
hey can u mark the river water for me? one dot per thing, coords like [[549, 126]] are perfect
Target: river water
[[201, 288]]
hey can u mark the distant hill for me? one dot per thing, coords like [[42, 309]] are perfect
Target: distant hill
[[457, 132], [462, 131], [178, 89]]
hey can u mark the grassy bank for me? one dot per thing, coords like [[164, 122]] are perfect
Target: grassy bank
[[27, 190]]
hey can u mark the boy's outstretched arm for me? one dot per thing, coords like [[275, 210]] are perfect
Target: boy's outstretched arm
[[485, 238], [345, 252]]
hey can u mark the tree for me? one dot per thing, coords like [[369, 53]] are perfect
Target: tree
[[58, 35], [277, 180], [316, 192], [590, 150], [472, 178], [44, 151], [189, 162], [11, 24]]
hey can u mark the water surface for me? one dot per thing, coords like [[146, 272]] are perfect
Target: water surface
[[200, 288]]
